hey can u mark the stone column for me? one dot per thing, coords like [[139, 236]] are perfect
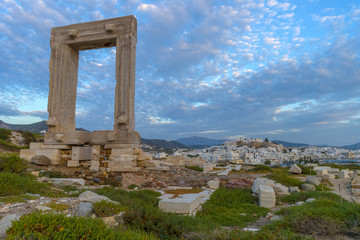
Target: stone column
[[63, 67]]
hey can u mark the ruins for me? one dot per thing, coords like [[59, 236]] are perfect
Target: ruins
[[62, 144]]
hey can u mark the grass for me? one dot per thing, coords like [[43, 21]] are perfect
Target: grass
[[296, 197], [17, 198], [12, 163], [52, 174], [15, 184], [132, 186], [195, 168], [107, 209], [234, 207], [260, 169], [59, 207], [183, 191], [225, 208], [282, 176], [43, 226]]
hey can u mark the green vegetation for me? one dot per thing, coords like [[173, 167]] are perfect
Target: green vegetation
[[12, 163], [285, 178], [350, 166], [43, 226], [28, 137], [195, 168], [15, 184], [59, 207], [231, 208], [307, 170], [132, 186], [107, 209], [5, 134], [296, 197], [17, 198], [260, 169], [225, 208], [52, 174]]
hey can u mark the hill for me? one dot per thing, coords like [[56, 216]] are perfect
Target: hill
[[355, 146], [289, 144], [33, 127], [161, 143], [200, 141]]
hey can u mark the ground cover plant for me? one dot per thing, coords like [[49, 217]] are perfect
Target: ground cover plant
[[195, 168], [43, 226], [225, 207], [18, 198], [107, 209], [12, 163]]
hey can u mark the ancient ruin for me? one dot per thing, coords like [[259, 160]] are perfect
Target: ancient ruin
[[62, 143]]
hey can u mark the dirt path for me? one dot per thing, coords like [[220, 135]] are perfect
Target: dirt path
[[344, 186]]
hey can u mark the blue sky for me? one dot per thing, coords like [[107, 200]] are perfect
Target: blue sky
[[287, 70]]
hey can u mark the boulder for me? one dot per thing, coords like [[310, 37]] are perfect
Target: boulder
[[60, 182], [84, 209], [281, 190], [344, 173], [309, 200], [213, 184], [6, 223], [294, 189], [43, 208], [312, 180], [295, 169], [307, 187], [40, 160], [89, 196], [267, 197], [261, 181], [299, 203]]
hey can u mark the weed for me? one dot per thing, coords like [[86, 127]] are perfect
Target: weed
[[107, 209], [260, 169], [43, 226], [132, 186], [13, 163], [59, 207], [17, 198], [285, 179], [195, 168], [52, 174]]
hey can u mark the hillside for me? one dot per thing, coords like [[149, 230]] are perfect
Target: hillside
[[200, 141], [289, 144], [355, 146], [33, 127], [160, 143]]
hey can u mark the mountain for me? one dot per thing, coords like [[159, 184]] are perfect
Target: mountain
[[34, 127], [160, 143], [196, 141], [355, 146], [289, 144]]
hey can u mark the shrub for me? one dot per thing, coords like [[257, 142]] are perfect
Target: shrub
[[5, 134], [285, 179], [234, 207], [13, 163], [132, 186], [59, 207], [15, 184], [17, 198], [260, 169], [43, 226], [107, 209], [52, 174], [195, 168]]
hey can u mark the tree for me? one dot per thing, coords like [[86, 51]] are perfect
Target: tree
[[266, 140]]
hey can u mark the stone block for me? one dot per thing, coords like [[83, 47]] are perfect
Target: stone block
[[52, 154], [312, 180], [344, 173], [281, 190], [81, 153], [152, 163], [267, 197], [186, 204], [73, 163], [295, 169], [321, 172], [213, 184], [143, 157], [68, 181], [67, 138], [35, 145], [124, 169], [261, 181]]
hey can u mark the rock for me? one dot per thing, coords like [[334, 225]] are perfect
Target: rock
[[239, 183], [299, 203], [6, 222], [321, 172], [84, 209], [5, 209], [344, 173], [261, 181], [312, 180], [97, 180], [276, 218], [35, 173], [43, 208], [89, 196], [60, 182], [307, 187], [110, 221], [250, 229], [294, 189], [295, 169], [281, 190], [309, 200], [213, 184], [267, 197], [40, 160]]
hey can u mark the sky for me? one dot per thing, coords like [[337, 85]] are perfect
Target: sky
[[285, 70]]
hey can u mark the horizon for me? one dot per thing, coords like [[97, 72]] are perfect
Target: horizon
[[284, 70]]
